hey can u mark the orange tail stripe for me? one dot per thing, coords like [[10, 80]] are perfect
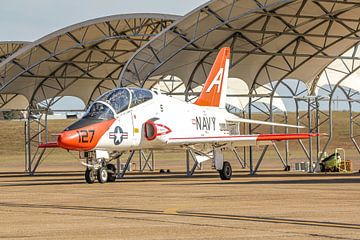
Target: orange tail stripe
[[211, 93]]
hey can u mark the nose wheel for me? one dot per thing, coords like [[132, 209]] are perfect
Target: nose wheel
[[90, 175], [102, 174]]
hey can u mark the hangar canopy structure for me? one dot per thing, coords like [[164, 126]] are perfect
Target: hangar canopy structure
[[9, 47], [270, 41], [6, 49], [87, 56], [83, 60]]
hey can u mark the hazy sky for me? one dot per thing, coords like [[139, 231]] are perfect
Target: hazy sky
[[28, 20]]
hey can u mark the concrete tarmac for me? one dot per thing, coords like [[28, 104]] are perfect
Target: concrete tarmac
[[271, 205]]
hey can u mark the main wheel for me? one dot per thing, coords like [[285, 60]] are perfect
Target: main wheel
[[111, 172], [226, 171], [90, 175], [102, 175]]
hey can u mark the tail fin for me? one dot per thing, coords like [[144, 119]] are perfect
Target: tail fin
[[214, 91]]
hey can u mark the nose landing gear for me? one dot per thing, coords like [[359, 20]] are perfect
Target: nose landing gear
[[102, 175], [99, 169], [90, 175], [111, 170]]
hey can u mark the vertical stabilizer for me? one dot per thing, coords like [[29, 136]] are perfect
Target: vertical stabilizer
[[214, 91]]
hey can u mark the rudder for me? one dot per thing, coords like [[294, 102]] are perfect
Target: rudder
[[215, 88]]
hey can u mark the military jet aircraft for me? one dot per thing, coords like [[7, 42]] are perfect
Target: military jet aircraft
[[128, 119]]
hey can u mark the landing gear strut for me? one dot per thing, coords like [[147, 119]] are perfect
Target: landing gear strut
[[111, 170]]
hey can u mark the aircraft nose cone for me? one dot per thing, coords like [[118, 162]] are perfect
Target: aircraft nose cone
[[84, 138], [68, 140]]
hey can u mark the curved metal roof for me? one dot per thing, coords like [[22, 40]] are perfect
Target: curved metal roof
[[6, 49], [270, 40], [9, 47], [81, 60]]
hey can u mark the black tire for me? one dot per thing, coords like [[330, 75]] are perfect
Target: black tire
[[111, 172], [90, 175], [287, 168], [102, 175], [162, 171], [226, 171]]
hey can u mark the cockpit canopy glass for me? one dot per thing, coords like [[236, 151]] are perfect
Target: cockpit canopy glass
[[139, 96], [99, 111], [119, 99]]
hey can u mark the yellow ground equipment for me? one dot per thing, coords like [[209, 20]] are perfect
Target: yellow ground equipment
[[336, 162]]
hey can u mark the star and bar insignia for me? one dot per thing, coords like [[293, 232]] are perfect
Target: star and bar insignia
[[118, 135]]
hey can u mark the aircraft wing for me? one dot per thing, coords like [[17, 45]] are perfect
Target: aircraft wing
[[243, 120], [243, 140]]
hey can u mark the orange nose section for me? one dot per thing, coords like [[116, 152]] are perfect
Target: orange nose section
[[85, 138]]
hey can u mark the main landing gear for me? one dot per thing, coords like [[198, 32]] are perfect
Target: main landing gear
[[223, 167], [226, 171], [216, 155]]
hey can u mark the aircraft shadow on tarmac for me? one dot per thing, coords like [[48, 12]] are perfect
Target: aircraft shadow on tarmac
[[202, 215], [77, 178], [40, 174], [337, 180]]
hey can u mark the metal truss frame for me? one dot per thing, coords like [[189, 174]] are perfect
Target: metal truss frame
[[249, 32], [330, 84], [146, 160], [9, 47], [76, 55]]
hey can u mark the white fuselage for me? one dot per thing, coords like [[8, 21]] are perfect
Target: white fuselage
[[174, 119]]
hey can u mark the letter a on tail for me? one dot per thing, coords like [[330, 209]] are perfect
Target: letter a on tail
[[215, 88]]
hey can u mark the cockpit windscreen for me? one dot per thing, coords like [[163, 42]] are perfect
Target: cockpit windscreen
[[119, 99], [99, 111]]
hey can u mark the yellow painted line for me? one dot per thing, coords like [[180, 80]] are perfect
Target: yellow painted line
[[170, 211]]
